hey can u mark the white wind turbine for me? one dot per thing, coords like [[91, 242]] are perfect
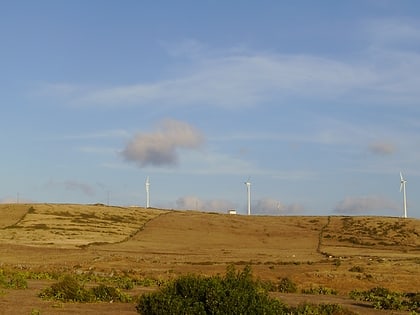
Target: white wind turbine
[[248, 189], [402, 188], [147, 192]]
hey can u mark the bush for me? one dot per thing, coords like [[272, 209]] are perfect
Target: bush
[[66, 290], [286, 286], [13, 281], [320, 290], [109, 294], [382, 298], [70, 290], [356, 269], [235, 293]]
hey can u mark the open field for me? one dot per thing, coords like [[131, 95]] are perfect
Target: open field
[[341, 253]]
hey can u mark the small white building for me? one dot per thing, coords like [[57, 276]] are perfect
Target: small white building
[[232, 211]]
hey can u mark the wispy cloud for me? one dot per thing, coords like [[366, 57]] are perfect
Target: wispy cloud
[[395, 33], [385, 71], [159, 148], [238, 80]]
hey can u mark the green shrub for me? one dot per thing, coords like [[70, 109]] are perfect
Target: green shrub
[[13, 281], [70, 290], [18, 281], [320, 290], [382, 298], [125, 283], [235, 293], [66, 290], [286, 286], [109, 294]]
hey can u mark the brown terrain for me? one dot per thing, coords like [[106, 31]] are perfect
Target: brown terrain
[[341, 253]]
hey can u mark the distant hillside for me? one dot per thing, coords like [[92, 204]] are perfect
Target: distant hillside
[[69, 225], [207, 234]]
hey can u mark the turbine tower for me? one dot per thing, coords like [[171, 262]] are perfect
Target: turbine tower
[[402, 188], [248, 189], [147, 192]]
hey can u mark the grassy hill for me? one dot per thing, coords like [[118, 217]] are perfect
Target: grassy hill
[[340, 252]]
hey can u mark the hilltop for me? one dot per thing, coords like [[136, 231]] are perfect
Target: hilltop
[[342, 253]]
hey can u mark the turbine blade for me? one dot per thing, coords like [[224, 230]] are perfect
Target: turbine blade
[[401, 176], [401, 186]]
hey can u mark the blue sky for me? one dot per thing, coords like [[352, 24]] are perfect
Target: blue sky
[[316, 102]]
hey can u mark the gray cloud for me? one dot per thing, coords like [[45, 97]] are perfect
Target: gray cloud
[[382, 148], [365, 205], [159, 148], [274, 207]]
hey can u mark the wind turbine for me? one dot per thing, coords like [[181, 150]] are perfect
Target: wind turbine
[[402, 188], [147, 192], [248, 189]]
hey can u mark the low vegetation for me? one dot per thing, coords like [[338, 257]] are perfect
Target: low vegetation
[[235, 293], [69, 289], [320, 290], [12, 281], [382, 298]]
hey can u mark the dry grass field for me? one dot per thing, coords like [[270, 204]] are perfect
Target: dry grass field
[[341, 253]]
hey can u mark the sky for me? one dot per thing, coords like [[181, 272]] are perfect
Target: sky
[[315, 103]]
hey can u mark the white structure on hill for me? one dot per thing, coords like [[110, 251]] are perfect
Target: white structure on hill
[[147, 192]]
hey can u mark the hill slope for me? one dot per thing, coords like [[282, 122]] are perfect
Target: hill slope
[[160, 244]]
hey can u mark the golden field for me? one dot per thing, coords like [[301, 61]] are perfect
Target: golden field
[[161, 244]]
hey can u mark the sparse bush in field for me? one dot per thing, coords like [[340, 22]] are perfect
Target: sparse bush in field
[[125, 283], [70, 290], [356, 269], [320, 290], [286, 286], [109, 294], [66, 290], [17, 281], [13, 281], [235, 293]]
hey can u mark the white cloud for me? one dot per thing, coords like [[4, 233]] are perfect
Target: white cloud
[[365, 205], [159, 148], [195, 203]]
